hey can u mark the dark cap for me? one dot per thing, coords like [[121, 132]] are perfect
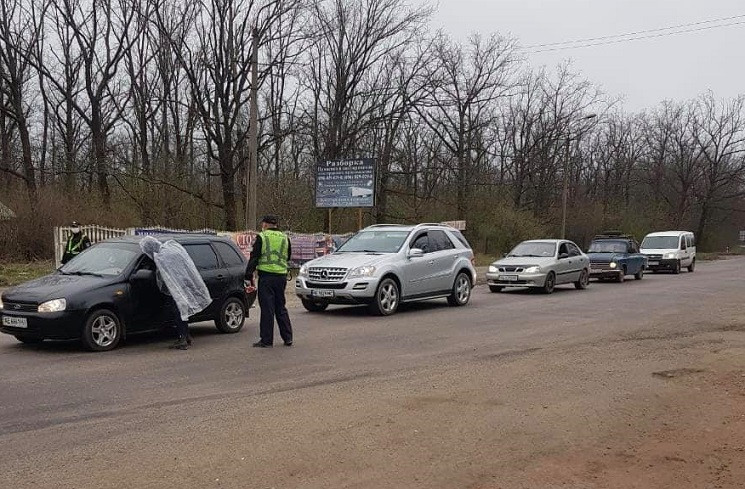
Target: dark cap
[[75, 224], [269, 219]]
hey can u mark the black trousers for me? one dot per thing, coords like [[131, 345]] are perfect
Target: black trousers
[[272, 303]]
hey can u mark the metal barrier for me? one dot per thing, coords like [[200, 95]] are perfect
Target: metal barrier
[[94, 233]]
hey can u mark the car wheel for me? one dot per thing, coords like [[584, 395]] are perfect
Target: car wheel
[[103, 331], [550, 284], [29, 340], [692, 266], [621, 276], [461, 291], [640, 274], [584, 280], [387, 298], [232, 316], [312, 306], [495, 289], [676, 269]]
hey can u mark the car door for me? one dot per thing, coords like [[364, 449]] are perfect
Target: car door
[[576, 262], [564, 269], [444, 256], [146, 301], [419, 271], [684, 253], [205, 259], [637, 261], [232, 264]]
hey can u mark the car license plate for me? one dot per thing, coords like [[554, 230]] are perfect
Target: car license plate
[[322, 293], [509, 278], [14, 322], [595, 270], [653, 263]]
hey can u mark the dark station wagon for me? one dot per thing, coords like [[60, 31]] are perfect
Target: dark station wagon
[[109, 291]]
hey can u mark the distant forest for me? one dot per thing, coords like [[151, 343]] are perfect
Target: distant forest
[[135, 112]]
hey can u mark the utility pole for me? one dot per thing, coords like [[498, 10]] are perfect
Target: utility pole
[[253, 135], [565, 192]]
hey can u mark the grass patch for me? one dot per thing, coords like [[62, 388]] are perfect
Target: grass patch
[[16, 273], [483, 260]]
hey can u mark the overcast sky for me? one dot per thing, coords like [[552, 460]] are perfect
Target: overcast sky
[[645, 72]]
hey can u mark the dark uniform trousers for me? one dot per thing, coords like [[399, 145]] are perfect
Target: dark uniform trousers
[[272, 302]]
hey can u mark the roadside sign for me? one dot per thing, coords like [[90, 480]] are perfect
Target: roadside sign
[[742, 235], [459, 225], [345, 183]]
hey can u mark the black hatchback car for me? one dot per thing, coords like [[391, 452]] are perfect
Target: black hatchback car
[[109, 291]]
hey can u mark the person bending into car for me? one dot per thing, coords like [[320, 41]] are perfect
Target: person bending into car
[[179, 280], [270, 256]]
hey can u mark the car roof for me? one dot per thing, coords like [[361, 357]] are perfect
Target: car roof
[[669, 233], [179, 238], [547, 241], [407, 227]]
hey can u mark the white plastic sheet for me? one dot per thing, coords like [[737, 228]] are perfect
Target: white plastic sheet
[[180, 275]]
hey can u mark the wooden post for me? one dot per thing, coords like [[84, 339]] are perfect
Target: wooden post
[[329, 220], [359, 218]]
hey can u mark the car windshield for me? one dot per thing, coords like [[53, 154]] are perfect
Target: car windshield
[[660, 243], [533, 249], [374, 242], [106, 259], [608, 247]]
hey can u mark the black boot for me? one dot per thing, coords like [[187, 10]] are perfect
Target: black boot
[[188, 339], [181, 344]]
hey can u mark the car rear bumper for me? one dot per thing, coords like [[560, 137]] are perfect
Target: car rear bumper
[[355, 291], [65, 325], [522, 280]]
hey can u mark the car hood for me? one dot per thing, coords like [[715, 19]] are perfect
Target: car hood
[[525, 261], [350, 260], [604, 257], [55, 286], [646, 251]]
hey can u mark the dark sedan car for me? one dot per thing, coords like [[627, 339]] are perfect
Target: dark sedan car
[[110, 291], [615, 255]]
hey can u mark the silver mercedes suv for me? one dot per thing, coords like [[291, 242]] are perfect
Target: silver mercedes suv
[[387, 264]]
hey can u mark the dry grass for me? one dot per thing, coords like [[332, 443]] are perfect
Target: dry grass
[[16, 273]]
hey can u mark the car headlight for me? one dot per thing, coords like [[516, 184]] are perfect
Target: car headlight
[[56, 305], [613, 264], [303, 271], [493, 269], [360, 272], [534, 269], [669, 255]]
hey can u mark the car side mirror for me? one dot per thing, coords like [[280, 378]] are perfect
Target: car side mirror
[[563, 256], [143, 275], [415, 253]]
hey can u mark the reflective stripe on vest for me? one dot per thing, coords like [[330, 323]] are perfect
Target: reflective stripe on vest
[[76, 248], [273, 252]]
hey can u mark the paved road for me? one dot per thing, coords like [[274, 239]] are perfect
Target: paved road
[[64, 409]]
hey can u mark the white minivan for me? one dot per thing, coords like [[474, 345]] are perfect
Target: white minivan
[[670, 250]]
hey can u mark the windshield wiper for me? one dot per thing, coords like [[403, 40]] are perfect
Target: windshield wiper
[[81, 273]]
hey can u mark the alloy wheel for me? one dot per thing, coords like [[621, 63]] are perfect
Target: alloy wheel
[[104, 331]]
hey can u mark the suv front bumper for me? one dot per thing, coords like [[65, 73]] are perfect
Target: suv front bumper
[[352, 291]]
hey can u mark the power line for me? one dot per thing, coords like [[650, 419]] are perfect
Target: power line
[[637, 38], [636, 33]]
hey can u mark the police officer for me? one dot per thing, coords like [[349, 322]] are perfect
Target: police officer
[[76, 243], [270, 256]]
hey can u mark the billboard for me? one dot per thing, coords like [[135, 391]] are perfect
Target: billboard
[[345, 183]]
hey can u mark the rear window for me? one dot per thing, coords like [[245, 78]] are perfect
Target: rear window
[[203, 255], [459, 236], [229, 256]]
